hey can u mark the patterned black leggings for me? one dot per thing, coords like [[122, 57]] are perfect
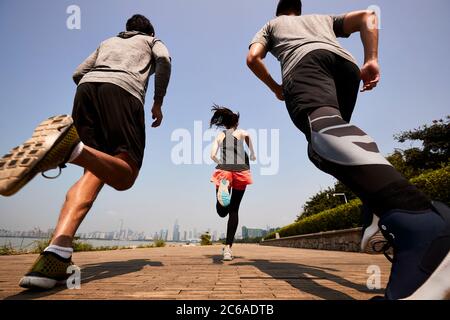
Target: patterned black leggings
[[351, 156]]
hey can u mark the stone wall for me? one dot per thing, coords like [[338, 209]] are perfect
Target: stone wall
[[340, 240]]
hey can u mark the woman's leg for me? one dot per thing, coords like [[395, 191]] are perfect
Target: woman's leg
[[233, 211], [221, 210]]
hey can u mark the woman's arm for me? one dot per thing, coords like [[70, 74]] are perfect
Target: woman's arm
[[215, 149], [249, 142]]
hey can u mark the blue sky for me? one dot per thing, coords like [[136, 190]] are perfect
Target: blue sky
[[208, 41]]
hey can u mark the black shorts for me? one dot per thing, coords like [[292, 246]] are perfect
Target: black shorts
[[110, 119], [322, 78]]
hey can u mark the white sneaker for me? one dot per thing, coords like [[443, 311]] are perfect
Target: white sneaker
[[227, 253], [372, 239]]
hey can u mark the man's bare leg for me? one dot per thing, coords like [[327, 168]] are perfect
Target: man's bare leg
[[119, 171], [100, 168], [79, 200]]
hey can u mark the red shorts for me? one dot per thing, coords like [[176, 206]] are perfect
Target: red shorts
[[238, 179]]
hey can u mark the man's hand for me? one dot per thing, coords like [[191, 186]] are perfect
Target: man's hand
[[278, 90], [255, 62], [366, 23], [157, 114], [370, 75]]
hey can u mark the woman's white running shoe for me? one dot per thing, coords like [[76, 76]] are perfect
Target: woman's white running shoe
[[227, 253]]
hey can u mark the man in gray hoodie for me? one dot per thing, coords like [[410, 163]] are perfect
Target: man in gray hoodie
[[105, 136]]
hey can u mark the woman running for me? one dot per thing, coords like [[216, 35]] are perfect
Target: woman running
[[232, 174]]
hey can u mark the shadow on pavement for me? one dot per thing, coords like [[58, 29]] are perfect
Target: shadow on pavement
[[303, 278], [91, 272]]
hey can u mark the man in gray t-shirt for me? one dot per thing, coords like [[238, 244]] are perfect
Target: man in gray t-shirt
[[290, 38], [320, 86]]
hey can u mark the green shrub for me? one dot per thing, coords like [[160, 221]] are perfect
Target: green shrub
[[7, 249], [205, 239], [40, 245], [435, 184], [160, 243], [342, 217], [82, 246], [145, 246]]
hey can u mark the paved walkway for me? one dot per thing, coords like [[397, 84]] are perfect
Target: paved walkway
[[257, 272]]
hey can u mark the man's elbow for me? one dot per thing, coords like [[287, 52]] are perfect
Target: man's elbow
[[164, 60], [252, 60], [76, 78], [368, 19]]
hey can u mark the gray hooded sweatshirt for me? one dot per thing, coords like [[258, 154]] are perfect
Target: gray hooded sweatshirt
[[127, 61]]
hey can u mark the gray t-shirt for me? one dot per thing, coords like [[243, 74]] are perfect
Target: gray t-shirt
[[290, 38]]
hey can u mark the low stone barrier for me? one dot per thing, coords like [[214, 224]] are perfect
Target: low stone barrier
[[341, 240]]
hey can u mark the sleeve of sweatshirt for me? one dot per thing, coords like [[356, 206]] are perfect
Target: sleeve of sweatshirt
[[162, 69], [85, 67]]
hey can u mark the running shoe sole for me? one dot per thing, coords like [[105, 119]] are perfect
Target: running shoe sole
[[50, 146], [32, 282], [223, 194]]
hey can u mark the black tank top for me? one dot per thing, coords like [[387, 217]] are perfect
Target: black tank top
[[233, 156]]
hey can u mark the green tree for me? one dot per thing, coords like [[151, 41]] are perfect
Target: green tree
[[397, 159], [326, 199], [434, 152]]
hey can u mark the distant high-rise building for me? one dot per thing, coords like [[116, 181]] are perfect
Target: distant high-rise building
[[214, 236], [195, 235], [184, 235], [244, 232], [190, 234], [176, 232], [252, 233]]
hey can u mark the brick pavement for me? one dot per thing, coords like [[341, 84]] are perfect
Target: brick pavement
[[257, 272]]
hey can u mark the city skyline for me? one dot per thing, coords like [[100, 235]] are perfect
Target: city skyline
[[124, 233]]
